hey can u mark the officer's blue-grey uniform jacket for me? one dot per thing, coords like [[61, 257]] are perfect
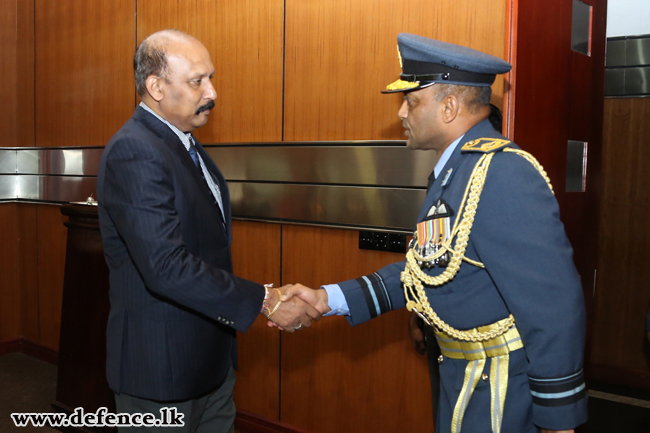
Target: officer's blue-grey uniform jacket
[[529, 272], [175, 304]]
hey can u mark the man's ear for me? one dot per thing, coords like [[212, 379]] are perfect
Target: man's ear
[[451, 107], [154, 87]]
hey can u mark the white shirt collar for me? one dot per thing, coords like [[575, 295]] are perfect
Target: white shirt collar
[[184, 137], [445, 156]]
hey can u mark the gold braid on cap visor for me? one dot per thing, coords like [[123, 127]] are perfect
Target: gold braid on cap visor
[[402, 85]]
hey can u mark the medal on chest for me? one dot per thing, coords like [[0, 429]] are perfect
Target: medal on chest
[[431, 233]]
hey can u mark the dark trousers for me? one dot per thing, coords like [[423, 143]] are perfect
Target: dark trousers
[[211, 413], [433, 353]]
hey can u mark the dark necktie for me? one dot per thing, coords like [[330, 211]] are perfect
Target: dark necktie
[[194, 155], [432, 178]]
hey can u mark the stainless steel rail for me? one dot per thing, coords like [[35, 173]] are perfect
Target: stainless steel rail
[[379, 185]]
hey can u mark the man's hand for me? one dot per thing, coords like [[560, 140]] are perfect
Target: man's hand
[[291, 314], [417, 336], [315, 298]]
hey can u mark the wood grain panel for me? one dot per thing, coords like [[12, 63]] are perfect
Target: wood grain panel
[[256, 256], [18, 284], [341, 53], [580, 209], [542, 106], [245, 40], [51, 266], [622, 294], [17, 72], [366, 378], [84, 70], [27, 271], [549, 112], [9, 275]]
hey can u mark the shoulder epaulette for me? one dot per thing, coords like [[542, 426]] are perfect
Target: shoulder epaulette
[[485, 145]]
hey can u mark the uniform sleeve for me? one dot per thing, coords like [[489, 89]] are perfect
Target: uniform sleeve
[[375, 294], [522, 243], [138, 194]]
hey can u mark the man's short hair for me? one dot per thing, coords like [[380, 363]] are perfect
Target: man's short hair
[[151, 57], [474, 97]]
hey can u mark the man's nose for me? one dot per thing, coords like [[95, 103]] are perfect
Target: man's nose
[[210, 92], [402, 113]]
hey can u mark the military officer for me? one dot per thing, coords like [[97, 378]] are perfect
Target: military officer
[[490, 268]]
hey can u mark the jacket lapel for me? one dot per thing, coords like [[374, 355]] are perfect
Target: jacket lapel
[[219, 180], [177, 147]]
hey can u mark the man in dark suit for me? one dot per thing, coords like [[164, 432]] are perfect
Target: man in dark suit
[[165, 219], [490, 268]]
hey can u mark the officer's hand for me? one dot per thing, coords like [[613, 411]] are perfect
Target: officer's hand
[[316, 298], [291, 314], [417, 336]]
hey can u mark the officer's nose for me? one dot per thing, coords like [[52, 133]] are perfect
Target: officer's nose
[[402, 113]]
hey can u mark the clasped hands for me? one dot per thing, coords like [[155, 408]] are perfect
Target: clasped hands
[[294, 306]]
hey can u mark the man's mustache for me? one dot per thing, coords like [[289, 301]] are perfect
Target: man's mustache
[[208, 106]]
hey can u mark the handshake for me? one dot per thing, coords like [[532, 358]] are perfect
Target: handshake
[[294, 306]]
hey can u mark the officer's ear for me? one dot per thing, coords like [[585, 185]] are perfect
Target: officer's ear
[[450, 108], [154, 85]]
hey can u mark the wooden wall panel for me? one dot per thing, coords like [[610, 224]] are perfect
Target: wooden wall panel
[[18, 284], [341, 53], [17, 72], [84, 70], [245, 39], [622, 294], [27, 271], [338, 378], [256, 256], [542, 106], [549, 112], [9, 277], [51, 266]]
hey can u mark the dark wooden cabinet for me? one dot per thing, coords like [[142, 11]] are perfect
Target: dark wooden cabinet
[[82, 350]]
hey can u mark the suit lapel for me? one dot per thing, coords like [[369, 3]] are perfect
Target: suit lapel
[[219, 180], [176, 146]]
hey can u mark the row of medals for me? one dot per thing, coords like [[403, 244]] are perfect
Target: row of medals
[[440, 213]]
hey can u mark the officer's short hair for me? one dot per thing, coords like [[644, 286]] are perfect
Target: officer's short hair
[[474, 97]]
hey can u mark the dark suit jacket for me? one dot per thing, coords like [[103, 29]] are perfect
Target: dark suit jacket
[[175, 304]]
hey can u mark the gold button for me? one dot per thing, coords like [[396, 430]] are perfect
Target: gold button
[[484, 377], [440, 359]]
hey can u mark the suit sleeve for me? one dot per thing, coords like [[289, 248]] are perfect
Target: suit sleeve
[[375, 294], [139, 197], [521, 241]]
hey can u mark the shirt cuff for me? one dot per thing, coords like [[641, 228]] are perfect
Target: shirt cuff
[[336, 300]]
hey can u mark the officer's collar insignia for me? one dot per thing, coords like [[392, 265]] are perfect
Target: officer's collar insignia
[[445, 181], [485, 145]]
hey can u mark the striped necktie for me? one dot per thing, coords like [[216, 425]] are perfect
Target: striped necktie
[[195, 156], [214, 188]]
